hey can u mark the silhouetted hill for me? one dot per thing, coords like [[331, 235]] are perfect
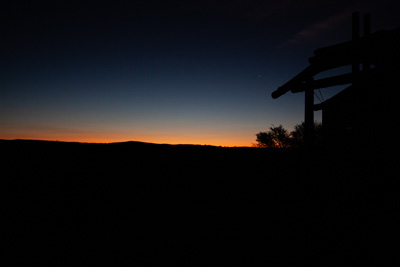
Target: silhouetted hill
[[146, 204]]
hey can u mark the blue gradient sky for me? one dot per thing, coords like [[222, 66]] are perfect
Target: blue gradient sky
[[198, 72]]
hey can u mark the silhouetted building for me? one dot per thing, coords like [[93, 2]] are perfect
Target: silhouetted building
[[362, 115]]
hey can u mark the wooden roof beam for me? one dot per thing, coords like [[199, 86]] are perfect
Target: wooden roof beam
[[323, 83], [298, 79]]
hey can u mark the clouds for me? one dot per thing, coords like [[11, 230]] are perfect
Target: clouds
[[159, 71], [314, 32], [334, 23]]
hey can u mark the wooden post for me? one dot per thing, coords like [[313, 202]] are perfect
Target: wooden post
[[309, 117]]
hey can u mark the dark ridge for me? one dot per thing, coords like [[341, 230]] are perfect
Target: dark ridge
[[145, 204]]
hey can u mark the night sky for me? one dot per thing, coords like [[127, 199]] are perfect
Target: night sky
[[178, 72]]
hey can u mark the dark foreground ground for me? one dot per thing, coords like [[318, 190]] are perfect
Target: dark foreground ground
[[135, 204]]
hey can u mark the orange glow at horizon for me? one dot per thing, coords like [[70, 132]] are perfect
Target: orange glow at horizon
[[102, 138]]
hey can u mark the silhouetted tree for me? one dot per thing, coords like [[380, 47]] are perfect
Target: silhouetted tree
[[276, 137], [297, 135]]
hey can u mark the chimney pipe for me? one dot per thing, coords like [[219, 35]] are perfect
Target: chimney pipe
[[367, 25], [366, 32], [356, 25], [355, 36]]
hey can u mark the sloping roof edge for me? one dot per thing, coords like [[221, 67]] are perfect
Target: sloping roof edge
[[369, 48]]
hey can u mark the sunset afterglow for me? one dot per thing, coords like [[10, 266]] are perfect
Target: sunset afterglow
[[200, 74]]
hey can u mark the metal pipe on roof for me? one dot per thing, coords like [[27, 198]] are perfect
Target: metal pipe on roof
[[355, 36]]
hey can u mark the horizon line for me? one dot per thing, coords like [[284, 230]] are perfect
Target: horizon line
[[119, 142]]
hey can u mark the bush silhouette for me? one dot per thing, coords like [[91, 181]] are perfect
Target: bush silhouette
[[276, 137], [297, 135], [279, 137]]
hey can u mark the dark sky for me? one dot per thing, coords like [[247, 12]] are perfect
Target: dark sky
[[198, 72]]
